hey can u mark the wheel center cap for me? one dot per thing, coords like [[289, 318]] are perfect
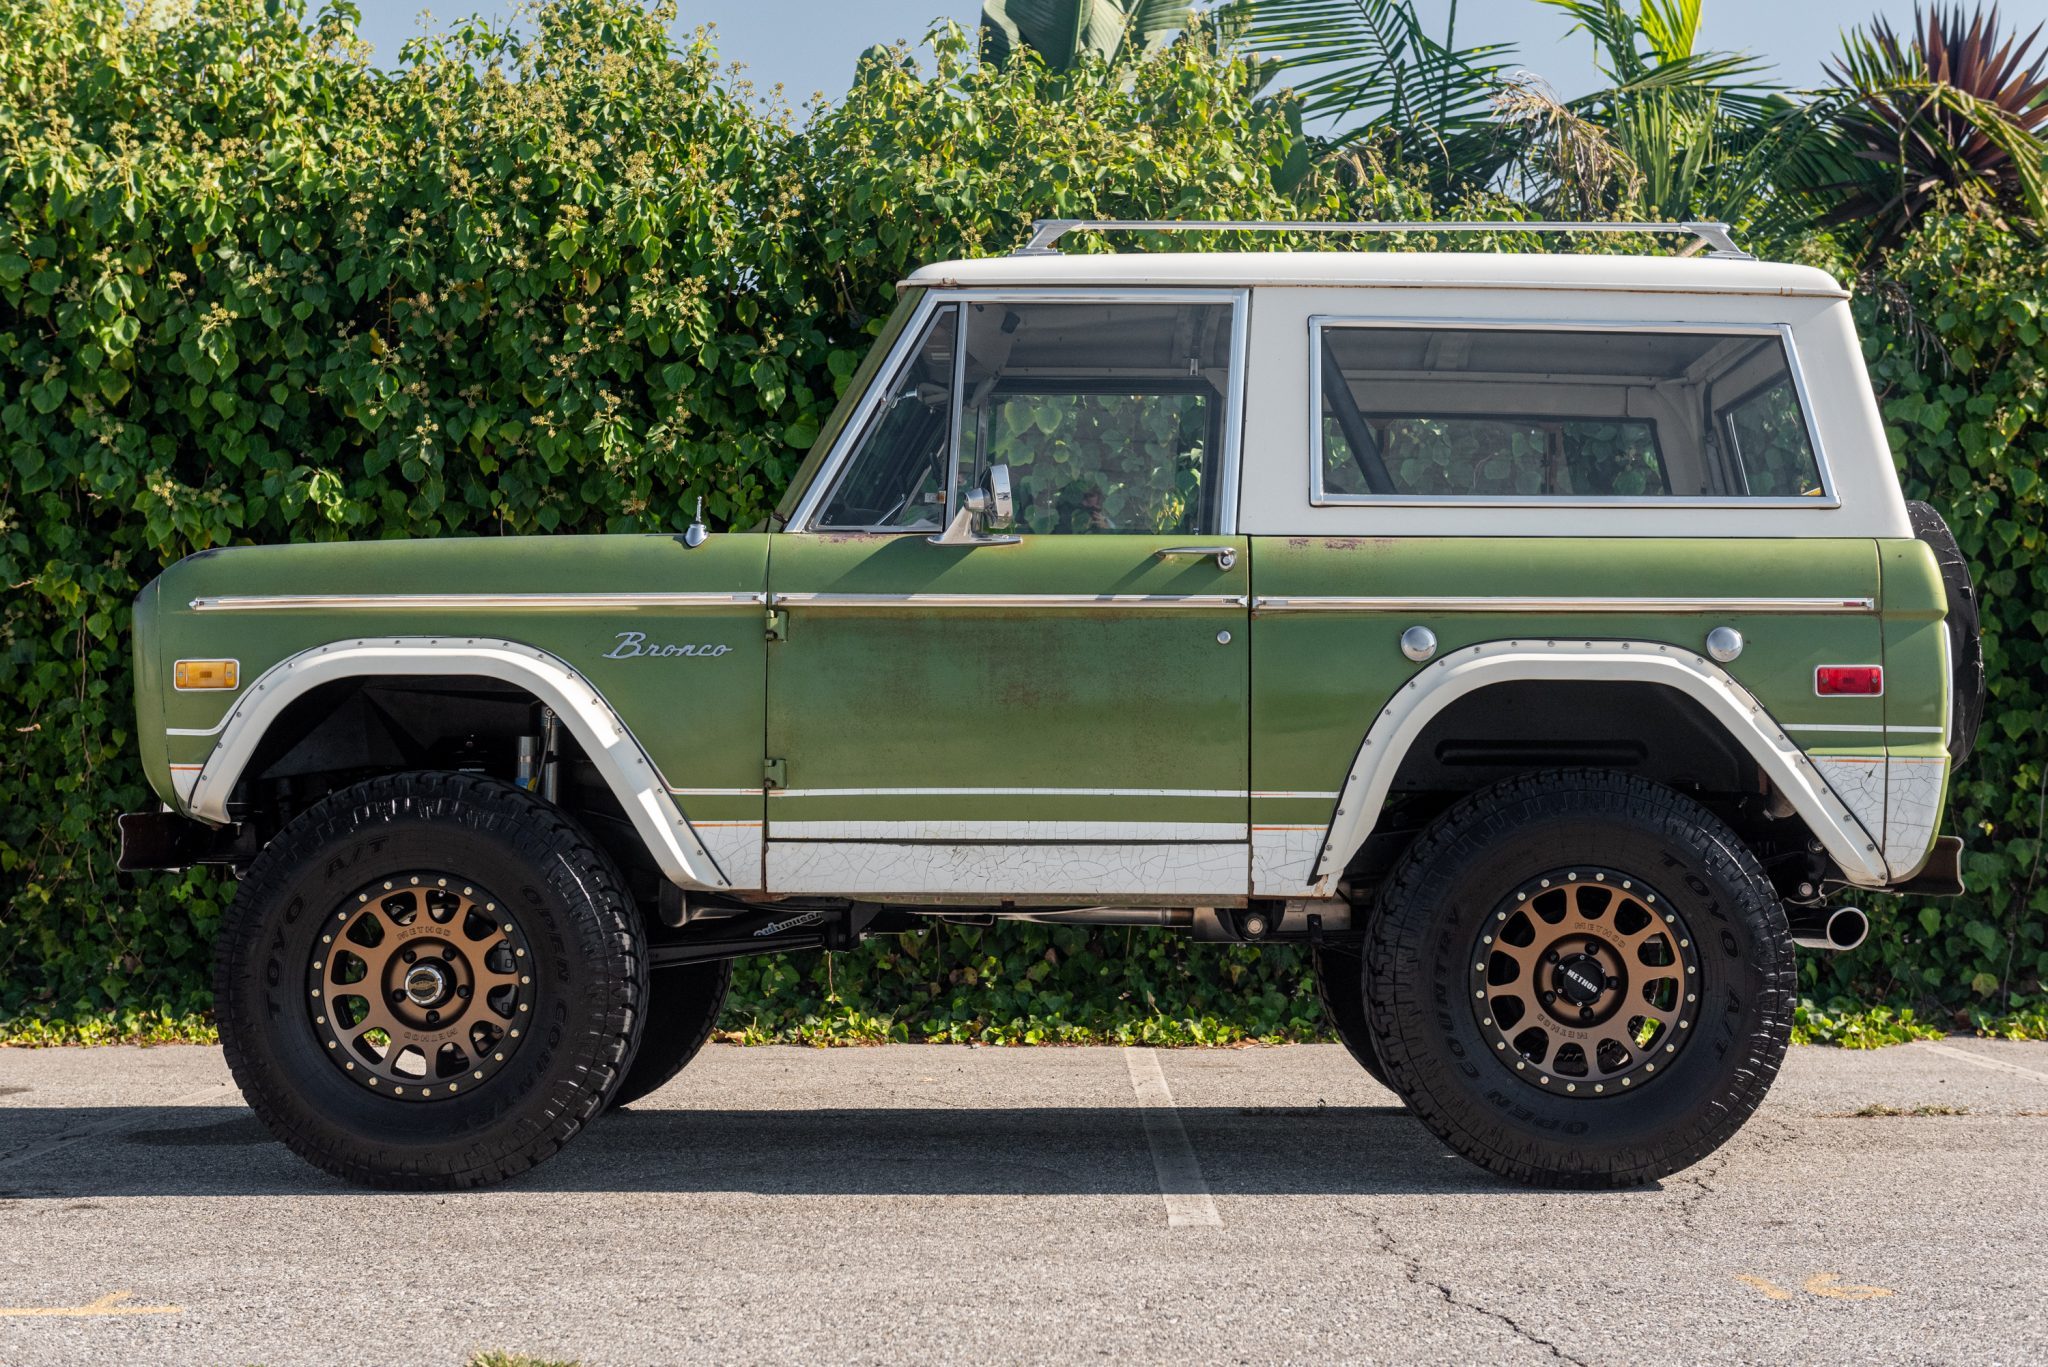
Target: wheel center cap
[[426, 985], [1580, 980]]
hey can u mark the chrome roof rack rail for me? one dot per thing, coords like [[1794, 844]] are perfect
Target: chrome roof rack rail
[[1046, 232]]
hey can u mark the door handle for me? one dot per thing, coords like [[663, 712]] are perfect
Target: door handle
[[1226, 556]]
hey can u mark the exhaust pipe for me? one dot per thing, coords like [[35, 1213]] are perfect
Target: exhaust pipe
[[1831, 928]]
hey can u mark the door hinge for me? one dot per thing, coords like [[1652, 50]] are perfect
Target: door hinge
[[775, 773], [778, 624]]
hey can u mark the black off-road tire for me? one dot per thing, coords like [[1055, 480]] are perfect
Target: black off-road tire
[[1340, 982], [588, 980], [682, 1010], [1420, 973]]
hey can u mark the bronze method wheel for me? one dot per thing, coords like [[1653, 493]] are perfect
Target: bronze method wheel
[[1585, 982], [422, 986]]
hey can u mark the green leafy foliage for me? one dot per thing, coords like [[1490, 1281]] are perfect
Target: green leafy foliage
[[1852, 1026], [252, 290], [1956, 336]]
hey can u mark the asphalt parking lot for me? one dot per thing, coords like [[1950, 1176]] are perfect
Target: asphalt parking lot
[[943, 1203]]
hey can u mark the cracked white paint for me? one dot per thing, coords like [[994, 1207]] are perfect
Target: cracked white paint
[[1120, 832], [850, 868], [1284, 858], [1859, 782], [736, 845], [1912, 808]]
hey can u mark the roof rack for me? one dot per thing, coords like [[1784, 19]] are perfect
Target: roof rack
[[1046, 232]]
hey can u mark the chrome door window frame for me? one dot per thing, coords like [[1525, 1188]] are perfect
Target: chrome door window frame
[[851, 437], [1319, 497]]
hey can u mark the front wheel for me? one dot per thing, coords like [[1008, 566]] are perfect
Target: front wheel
[[1580, 979], [429, 981]]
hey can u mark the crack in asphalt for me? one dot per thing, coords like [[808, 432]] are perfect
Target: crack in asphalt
[[1759, 1132], [1412, 1272]]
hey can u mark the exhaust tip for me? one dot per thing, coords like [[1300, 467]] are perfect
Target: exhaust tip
[[1836, 929], [1846, 928]]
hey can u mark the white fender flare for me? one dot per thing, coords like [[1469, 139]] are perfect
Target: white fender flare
[[1436, 686], [632, 776]]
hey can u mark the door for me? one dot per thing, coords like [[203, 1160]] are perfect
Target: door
[[1060, 709]]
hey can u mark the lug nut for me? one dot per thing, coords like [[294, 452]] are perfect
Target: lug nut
[[398, 996], [1549, 997], [433, 1017], [1585, 1013], [463, 991], [407, 955], [1613, 983], [1551, 957]]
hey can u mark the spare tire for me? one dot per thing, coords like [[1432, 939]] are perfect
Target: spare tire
[[1965, 647]]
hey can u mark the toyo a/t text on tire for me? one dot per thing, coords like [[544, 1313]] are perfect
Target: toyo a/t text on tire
[[429, 981], [1580, 979]]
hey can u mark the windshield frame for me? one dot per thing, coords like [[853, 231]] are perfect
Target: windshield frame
[[863, 384]]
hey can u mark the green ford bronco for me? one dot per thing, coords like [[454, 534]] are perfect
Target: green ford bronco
[[1540, 639]]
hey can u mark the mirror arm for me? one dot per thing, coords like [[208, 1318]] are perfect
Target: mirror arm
[[979, 508]]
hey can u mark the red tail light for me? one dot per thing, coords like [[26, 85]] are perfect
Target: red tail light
[[1849, 681]]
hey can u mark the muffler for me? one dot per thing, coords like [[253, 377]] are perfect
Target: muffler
[[1830, 928]]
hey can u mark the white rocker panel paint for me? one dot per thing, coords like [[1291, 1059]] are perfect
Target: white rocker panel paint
[[863, 868]]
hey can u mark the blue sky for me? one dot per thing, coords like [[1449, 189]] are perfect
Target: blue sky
[[811, 45]]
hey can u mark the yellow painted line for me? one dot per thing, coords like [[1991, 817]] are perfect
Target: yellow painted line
[[1828, 1284], [113, 1303]]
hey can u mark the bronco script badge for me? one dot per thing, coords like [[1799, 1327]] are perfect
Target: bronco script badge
[[634, 644]]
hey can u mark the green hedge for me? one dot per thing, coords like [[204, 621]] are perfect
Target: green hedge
[[252, 290]]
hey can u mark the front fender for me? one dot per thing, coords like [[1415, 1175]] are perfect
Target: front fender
[[635, 781]]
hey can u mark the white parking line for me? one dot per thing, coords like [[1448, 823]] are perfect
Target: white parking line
[[1180, 1172], [1995, 1064]]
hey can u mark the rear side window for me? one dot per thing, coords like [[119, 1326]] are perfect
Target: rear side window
[[1520, 413]]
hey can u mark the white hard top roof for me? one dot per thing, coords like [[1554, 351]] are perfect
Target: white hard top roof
[[1391, 270]]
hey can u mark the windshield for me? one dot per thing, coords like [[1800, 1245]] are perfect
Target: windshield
[[849, 399]]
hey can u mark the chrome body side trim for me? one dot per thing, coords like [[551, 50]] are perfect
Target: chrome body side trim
[[1031, 601], [1849, 842], [1338, 603], [631, 775], [856, 429], [1318, 497], [294, 602]]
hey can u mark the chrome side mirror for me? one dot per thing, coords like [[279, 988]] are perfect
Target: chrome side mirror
[[989, 505]]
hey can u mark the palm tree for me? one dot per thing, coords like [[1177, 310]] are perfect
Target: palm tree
[[1066, 32], [1373, 70], [1678, 133]]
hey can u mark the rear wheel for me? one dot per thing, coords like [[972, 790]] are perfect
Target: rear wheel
[[428, 981], [1580, 979], [682, 1009]]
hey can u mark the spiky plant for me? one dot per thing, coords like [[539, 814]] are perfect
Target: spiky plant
[[1958, 111]]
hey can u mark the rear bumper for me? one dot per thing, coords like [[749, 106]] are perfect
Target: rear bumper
[[1941, 875]]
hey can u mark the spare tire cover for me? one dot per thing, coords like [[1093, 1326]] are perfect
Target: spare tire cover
[[1965, 648]]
